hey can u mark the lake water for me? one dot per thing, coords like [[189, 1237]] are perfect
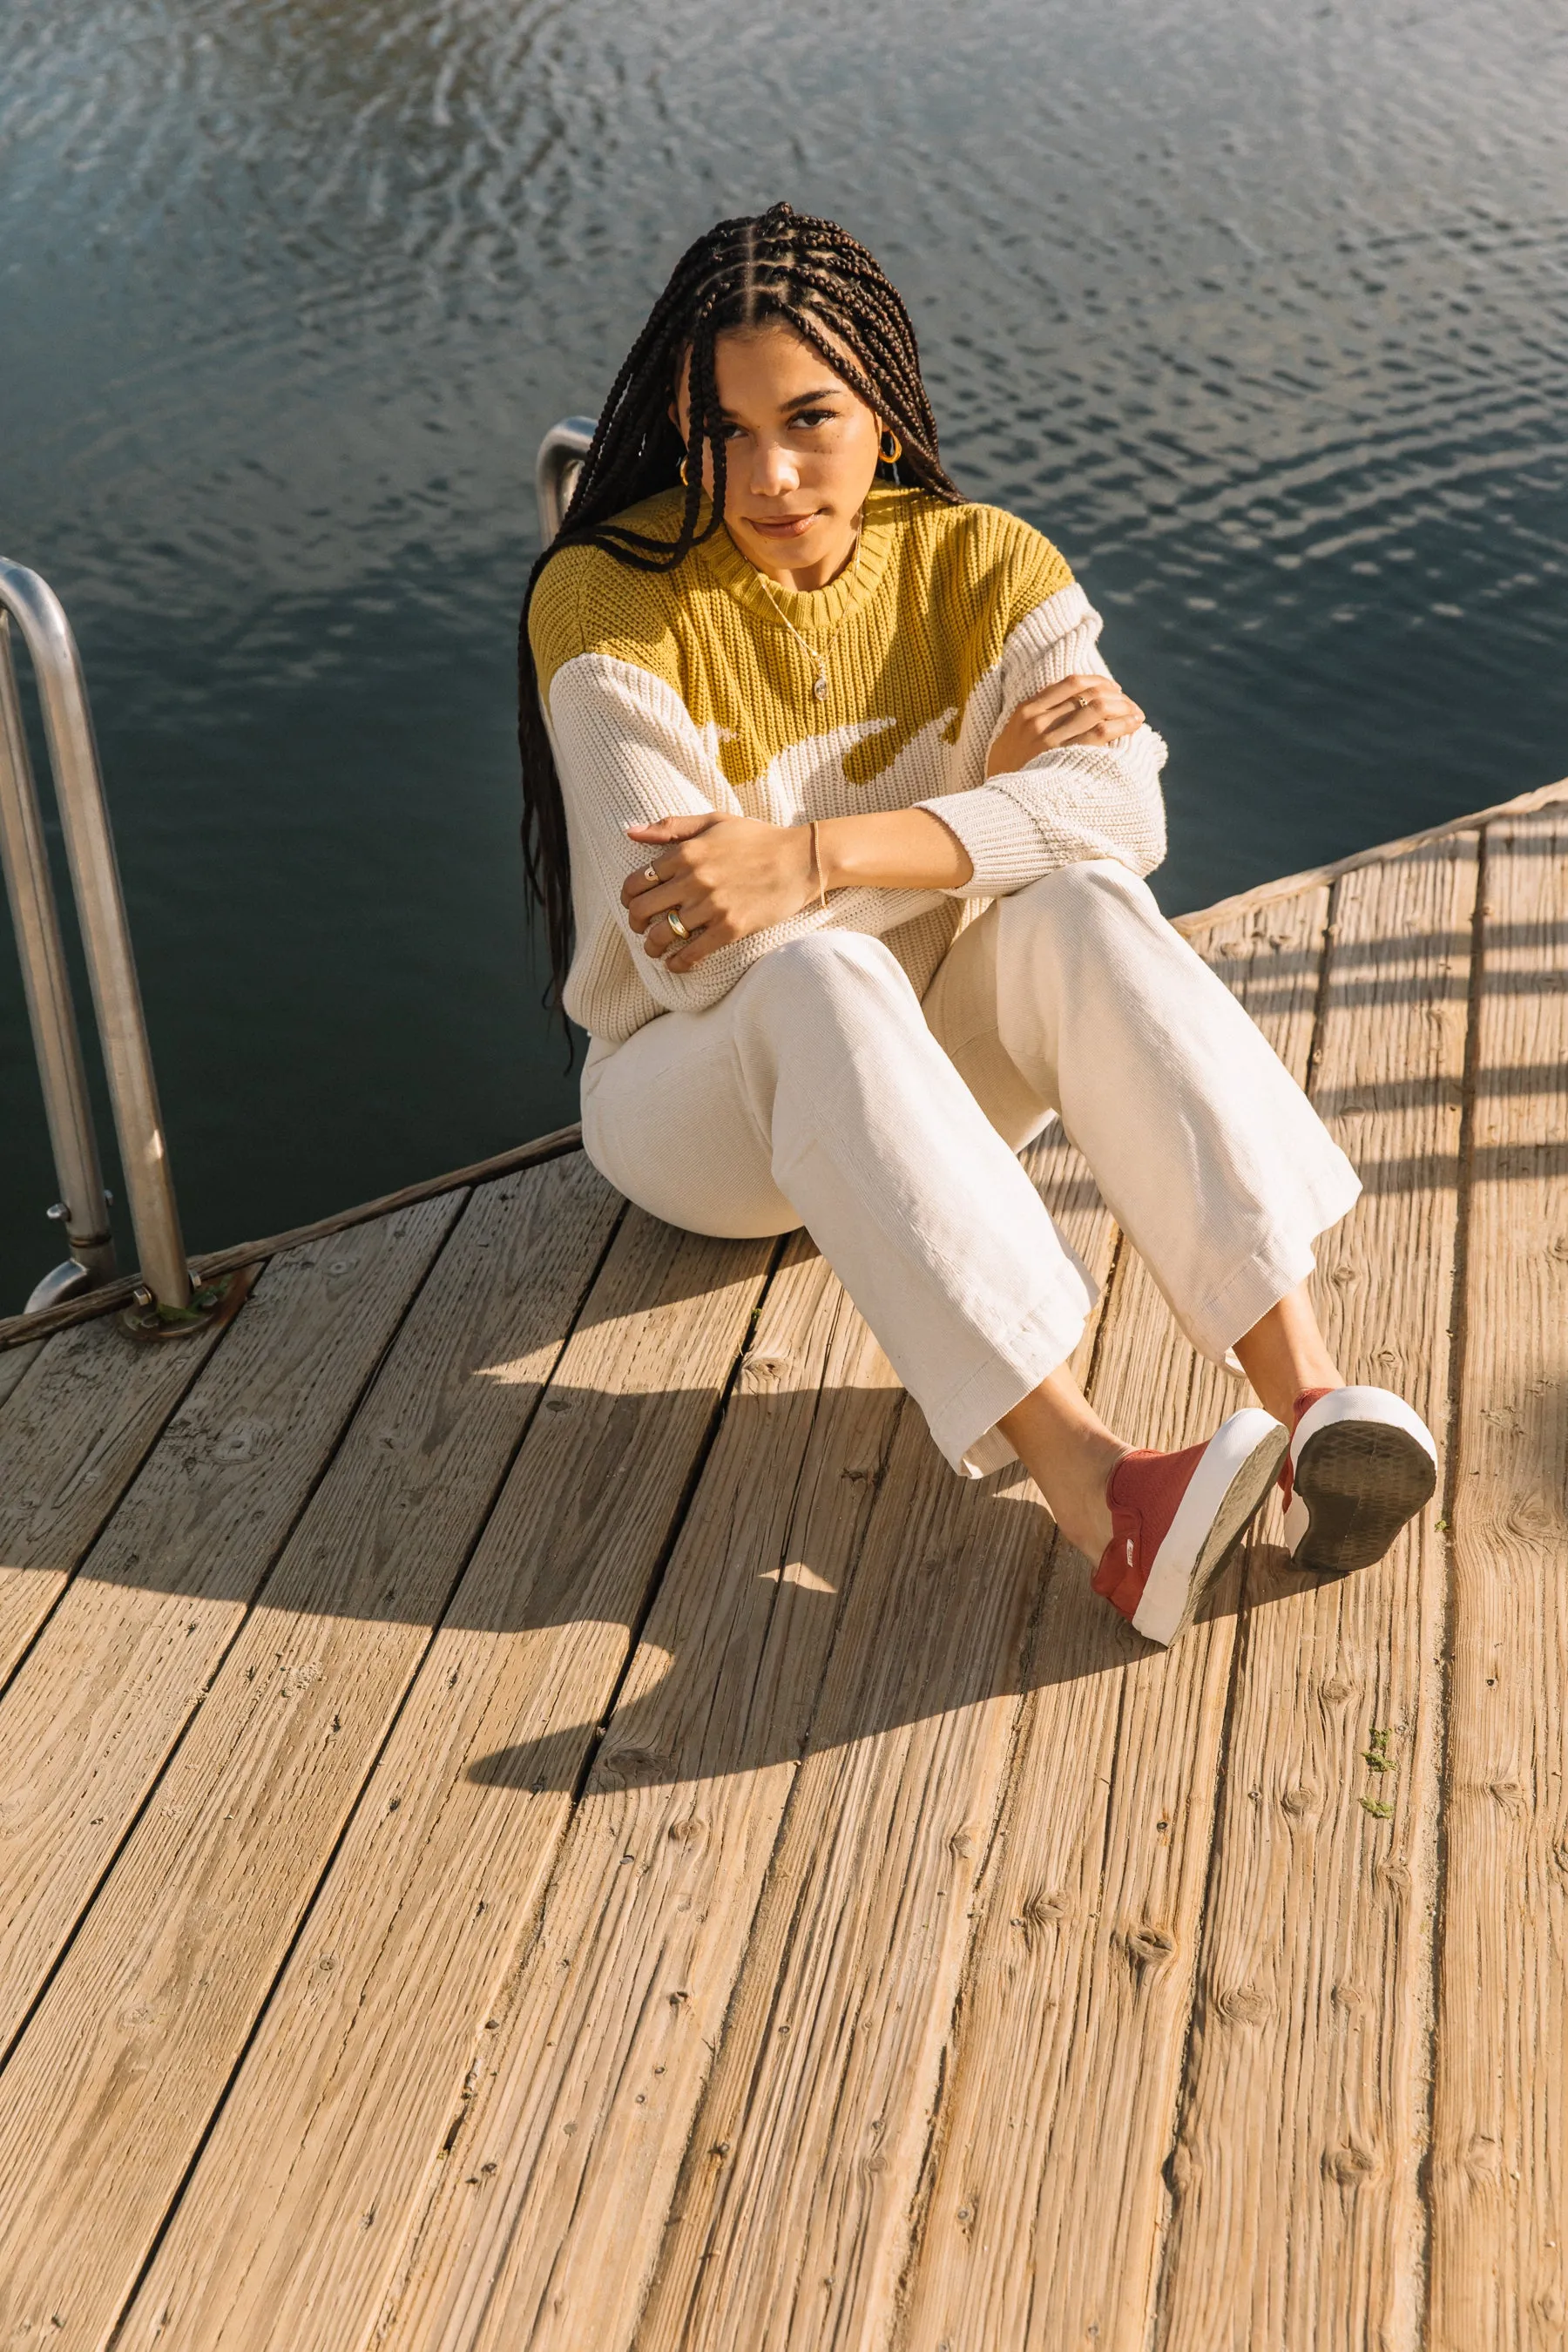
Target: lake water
[[1260, 309]]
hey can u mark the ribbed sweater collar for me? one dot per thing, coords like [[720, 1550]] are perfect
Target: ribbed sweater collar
[[814, 612]]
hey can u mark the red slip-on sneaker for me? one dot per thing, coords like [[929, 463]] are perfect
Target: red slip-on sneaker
[[1361, 1463], [1177, 1517]]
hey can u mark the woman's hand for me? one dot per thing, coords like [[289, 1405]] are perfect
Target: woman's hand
[[1088, 711], [722, 877]]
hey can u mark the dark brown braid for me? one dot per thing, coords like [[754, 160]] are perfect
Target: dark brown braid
[[774, 265]]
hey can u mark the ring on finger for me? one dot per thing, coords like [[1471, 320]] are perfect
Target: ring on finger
[[1082, 702], [651, 873], [672, 916]]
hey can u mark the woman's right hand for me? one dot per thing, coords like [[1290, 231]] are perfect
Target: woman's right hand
[[1088, 709]]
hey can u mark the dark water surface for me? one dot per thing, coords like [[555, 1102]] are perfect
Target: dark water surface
[[1260, 309]]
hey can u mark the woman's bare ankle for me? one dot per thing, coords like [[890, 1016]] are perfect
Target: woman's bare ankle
[[1069, 1454], [1285, 1354]]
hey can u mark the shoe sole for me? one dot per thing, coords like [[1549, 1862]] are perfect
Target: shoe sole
[[1360, 1482], [1228, 1489]]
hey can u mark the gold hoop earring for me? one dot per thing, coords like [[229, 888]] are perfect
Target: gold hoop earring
[[685, 477], [889, 457]]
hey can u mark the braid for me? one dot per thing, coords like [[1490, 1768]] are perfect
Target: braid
[[813, 275]]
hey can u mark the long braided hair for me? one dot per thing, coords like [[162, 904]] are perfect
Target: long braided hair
[[774, 265]]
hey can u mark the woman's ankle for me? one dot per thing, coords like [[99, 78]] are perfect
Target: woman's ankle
[[1069, 1454], [1285, 1354]]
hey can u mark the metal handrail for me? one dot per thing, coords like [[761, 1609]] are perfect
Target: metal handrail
[[556, 468], [112, 968]]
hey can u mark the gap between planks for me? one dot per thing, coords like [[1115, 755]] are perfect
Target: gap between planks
[[353, 2075], [125, 2030]]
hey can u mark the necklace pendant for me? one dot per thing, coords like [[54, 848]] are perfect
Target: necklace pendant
[[820, 688]]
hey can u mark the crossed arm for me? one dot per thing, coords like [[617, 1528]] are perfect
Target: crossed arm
[[727, 876]]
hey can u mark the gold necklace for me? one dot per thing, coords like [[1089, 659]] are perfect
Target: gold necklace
[[817, 656]]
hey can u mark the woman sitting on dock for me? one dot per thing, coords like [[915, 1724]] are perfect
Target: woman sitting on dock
[[839, 823]]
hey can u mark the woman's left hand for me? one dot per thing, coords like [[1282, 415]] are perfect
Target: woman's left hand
[[722, 877], [1088, 711]]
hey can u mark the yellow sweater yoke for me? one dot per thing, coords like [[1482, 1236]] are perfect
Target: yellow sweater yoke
[[908, 631]]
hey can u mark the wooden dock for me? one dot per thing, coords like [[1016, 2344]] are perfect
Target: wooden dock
[[535, 1812]]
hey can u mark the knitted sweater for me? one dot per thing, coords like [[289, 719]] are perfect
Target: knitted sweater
[[676, 693]]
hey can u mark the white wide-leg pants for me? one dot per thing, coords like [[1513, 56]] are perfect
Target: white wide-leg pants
[[820, 1091]]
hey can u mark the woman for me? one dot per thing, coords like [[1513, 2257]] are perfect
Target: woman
[[839, 823]]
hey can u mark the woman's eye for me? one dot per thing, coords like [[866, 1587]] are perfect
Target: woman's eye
[[811, 418]]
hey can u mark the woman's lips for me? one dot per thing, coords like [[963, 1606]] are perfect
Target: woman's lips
[[780, 526]]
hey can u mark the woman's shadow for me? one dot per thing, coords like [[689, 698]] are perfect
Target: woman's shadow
[[831, 1581]]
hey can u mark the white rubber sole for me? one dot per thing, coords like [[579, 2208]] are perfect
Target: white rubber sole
[[1238, 1467], [1362, 1463]]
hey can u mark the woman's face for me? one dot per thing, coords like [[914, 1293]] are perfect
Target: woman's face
[[800, 453]]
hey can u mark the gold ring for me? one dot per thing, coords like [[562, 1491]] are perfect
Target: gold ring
[[676, 925], [1083, 702], [651, 873]]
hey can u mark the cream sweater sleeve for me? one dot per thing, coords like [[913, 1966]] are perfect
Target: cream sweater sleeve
[[1065, 807], [629, 752]]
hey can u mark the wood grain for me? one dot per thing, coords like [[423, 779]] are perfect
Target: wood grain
[[73, 1434], [1290, 886], [822, 2092], [544, 2228], [387, 2009], [1499, 2168], [1298, 2216], [120, 2069], [1043, 2201], [20, 1330], [14, 1362], [109, 1685]]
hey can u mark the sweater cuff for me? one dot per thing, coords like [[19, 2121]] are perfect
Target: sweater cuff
[[1003, 841]]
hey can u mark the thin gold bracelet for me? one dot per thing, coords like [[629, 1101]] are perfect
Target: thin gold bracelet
[[817, 867]]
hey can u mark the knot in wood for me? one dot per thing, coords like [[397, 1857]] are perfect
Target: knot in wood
[[1350, 2166], [1244, 2005], [1043, 1909], [1148, 1947]]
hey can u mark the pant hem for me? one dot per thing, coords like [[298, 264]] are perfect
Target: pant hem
[[1265, 1276], [965, 1423]]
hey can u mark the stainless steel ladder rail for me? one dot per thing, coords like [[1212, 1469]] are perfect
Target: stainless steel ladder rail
[[32, 605], [556, 468]]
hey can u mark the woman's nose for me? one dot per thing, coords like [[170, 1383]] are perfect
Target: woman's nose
[[773, 469]]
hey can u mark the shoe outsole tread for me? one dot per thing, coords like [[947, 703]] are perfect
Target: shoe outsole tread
[[1360, 1482]]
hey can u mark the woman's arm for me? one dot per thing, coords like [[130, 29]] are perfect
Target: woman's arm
[[729, 878], [1054, 799], [641, 783]]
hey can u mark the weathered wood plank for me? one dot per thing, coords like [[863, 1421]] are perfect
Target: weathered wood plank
[[544, 2228], [1500, 2168], [1298, 2218], [19, 1331], [112, 1681], [118, 2073], [821, 2095], [1290, 886], [337, 2119], [14, 1362], [1045, 2195], [72, 1437]]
